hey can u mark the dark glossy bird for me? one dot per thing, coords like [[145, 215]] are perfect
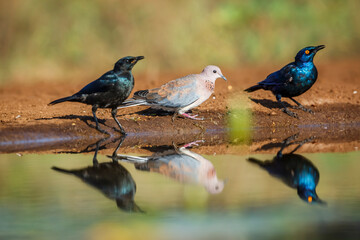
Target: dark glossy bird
[[112, 179], [108, 91], [294, 170], [292, 80]]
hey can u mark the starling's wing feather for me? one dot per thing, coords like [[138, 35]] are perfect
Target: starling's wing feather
[[279, 77], [103, 84], [177, 93]]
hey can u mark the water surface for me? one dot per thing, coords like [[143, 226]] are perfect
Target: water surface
[[179, 194]]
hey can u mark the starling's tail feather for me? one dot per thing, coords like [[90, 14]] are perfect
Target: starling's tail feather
[[62, 170], [254, 160], [253, 88], [62, 100]]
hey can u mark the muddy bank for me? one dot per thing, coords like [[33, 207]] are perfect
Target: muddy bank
[[327, 138], [28, 124]]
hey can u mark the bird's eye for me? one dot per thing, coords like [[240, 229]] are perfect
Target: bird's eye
[[307, 52], [214, 71]]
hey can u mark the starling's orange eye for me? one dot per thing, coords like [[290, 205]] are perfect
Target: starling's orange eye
[[307, 52], [309, 198]]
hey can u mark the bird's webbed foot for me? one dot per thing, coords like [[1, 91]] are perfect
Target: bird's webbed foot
[[290, 113]]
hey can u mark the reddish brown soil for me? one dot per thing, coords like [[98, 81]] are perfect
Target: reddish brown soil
[[25, 117]]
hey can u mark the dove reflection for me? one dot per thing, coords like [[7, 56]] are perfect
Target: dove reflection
[[111, 178], [294, 170], [180, 164]]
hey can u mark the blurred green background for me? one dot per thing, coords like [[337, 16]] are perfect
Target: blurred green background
[[56, 40]]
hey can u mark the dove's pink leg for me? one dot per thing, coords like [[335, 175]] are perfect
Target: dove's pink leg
[[194, 117]]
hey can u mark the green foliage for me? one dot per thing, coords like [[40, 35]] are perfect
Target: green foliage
[[53, 39], [239, 121]]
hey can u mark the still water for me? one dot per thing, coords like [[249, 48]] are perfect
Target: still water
[[176, 193]]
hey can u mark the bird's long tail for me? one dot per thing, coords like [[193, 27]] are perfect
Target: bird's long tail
[[258, 162], [60, 100], [253, 88], [132, 102], [62, 170]]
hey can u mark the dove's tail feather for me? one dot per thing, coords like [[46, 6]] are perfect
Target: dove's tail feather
[[253, 88], [132, 102], [138, 99], [131, 158], [65, 99]]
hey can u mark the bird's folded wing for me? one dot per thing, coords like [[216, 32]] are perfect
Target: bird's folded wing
[[177, 93], [103, 84], [279, 77]]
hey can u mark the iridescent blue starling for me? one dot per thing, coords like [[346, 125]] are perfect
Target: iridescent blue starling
[[292, 80], [108, 91], [294, 170]]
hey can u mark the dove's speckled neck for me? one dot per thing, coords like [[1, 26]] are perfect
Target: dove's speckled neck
[[209, 85]]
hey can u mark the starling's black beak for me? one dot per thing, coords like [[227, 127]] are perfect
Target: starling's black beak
[[319, 201], [319, 48], [136, 59]]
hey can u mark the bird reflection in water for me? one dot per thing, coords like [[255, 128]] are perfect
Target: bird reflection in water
[[111, 178], [180, 164], [294, 170]]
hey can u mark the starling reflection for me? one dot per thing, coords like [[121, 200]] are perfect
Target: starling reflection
[[111, 178], [294, 170]]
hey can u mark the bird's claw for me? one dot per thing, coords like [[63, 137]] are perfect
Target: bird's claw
[[195, 143], [301, 107], [194, 117], [310, 111], [290, 113]]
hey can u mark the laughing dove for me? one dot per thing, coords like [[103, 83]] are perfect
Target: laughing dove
[[180, 164], [179, 95]]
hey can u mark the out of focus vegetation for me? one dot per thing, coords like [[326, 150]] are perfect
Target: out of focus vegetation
[[239, 120], [54, 39]]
